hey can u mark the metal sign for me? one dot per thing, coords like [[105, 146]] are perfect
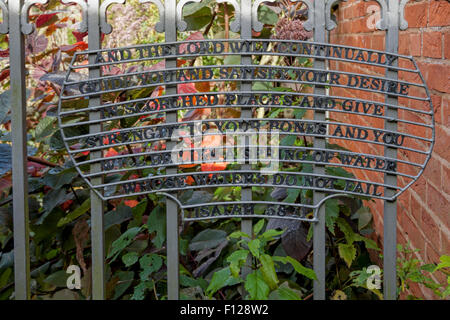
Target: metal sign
[[134, 157]]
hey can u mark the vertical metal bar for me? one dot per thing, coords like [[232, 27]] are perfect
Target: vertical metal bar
[[19, 153], [246, 193], [97, 224], [390, 207], [319, 227], [171, 206]]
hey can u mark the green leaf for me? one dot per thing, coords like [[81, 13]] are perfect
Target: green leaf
[[45, 128], [207, 239], [267, 15], [122, 242], [58, 279], [256, 286], [125, 280], [331, 213], [254, 246], [307, 272], [270, 234], [140, 289], [268, 271], [220, 279], [78, 212], [232, 60], [284, 293], [238, 234], [5, 277], [116, 217], [236, 259], [445, 262], [347, 251], [150, 263], [55, 198], [364, 217], [58, 177], [258, 227], [130, 258], [370, 244], [157, 223], [350, 236], [199, 19]]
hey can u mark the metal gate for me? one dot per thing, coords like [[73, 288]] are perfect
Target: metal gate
[[393, 138]]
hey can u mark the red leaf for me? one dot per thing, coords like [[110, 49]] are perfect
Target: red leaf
[[4, 53], [81, 45], [4, 74], [66, 205], [43, 18], [195, 36], [79, 35]]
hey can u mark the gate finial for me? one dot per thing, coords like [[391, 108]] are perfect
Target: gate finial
[[28, 28], [104, 25], [330, 24], [391, 10]]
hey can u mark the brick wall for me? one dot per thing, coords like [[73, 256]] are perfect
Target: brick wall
[[423, 211]]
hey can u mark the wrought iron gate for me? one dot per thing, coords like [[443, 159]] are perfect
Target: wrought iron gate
[[390, 138]]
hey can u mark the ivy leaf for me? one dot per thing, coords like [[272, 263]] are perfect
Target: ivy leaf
[[268, 271], [149, 263], [347, 251], [220, 279], [331, 213], [122, 242], [130, 258], [254, 246], [157, 223], [140, 289], [256, 286]]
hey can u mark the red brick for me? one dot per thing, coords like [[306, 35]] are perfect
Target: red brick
[[416, 208], [447, 45], [412, 231], [446, 112], [441, 147], [416, 14], [437, 202], [438, 77], [430, 229], [446, 179], [433, 172], [437, 106], [439, 13], [432, 44]]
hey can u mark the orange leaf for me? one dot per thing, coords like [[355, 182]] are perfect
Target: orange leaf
[[131, 203]]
